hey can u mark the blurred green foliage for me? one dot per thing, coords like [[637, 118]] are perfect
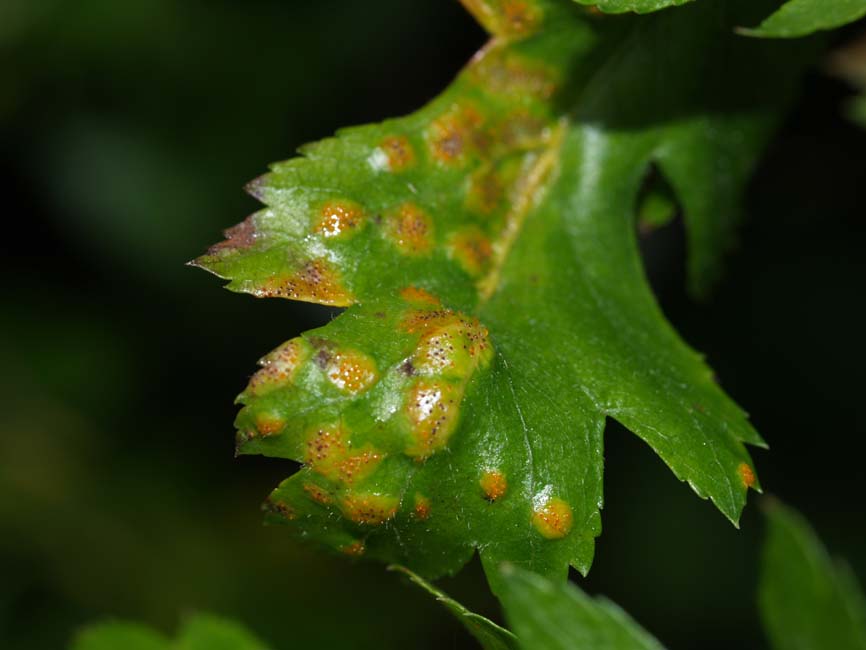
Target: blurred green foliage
[[126, 132]]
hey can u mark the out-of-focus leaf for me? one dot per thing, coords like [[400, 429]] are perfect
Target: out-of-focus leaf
[[803, 17], [202, 632], [849, 63], [490, 635], [808, 601], [547, 615], [636, 6], [116, 635], [498, 309]]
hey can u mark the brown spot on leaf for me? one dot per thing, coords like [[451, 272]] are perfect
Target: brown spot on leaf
[[317, 494], [239, 237], [355, 549], [267, 424], [453, 134], [432, 409], [316, 281], [410, 229], [280, 366]]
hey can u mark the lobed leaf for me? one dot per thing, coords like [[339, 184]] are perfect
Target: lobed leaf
[[548, 615], [803, 17], [807, 600], [498, 311]]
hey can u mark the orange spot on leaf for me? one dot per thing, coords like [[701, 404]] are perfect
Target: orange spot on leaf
[[315, 282], [372, 509], [494, 484], [410, 229], [399, 152], [317, 494], [267, 424], [422, 507], [351, 371], [355, 549], [419, 296], [553, 518], [472, 249], [339, 219], [747, 475]]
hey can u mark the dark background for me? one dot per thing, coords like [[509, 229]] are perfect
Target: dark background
[[126, 132]]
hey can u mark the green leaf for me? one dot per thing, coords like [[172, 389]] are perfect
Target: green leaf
[[802, 17], [490, 635], [201, 632], [636, 6], [807, 600], [114, 635], [498, 309], [548, 615]]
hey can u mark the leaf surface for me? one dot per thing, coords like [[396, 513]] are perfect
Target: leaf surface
[[636, 6], [549, 615], [807, 600], [488, 634], [498, 311], [803, 17]]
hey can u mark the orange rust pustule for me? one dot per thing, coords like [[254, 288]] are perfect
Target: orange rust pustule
[[512, 75], [279, 367], [355, 549], [410, 229], [268, 424], [328, 454], [472, 250], [339, 219], [519, 17], [485, 191], [453, 134], [317, 494], [399, 151], [281, 509], [747, 475], [494, 484], [432, 408], [553, 519], [419, 296], [315, 282], [371, 509], [422, 507], [351, 371], [238, 237]]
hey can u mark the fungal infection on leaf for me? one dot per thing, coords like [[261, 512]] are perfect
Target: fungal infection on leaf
[[552, 518], [339, 219], [410, 229], [494, 484]]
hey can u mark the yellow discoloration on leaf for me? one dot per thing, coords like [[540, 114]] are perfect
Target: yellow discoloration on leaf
[[432, 409], [267, 424], [372, 509], [351, 371], [339, 219], [317, 281], [511, 18], [472, 249], [553, 518], [485, 191], [453, 348], [506, 73], [419, 296], [399, 152], [355, 549], [747, 475], [329, 454], [410, 229], [455, 134], [494, 484], [280, 366], [422, 507]]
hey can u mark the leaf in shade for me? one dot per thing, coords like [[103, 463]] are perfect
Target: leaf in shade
[[807, 600], [547, 615]]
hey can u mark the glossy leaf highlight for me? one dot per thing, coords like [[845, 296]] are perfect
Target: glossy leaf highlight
[[803, 17]]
